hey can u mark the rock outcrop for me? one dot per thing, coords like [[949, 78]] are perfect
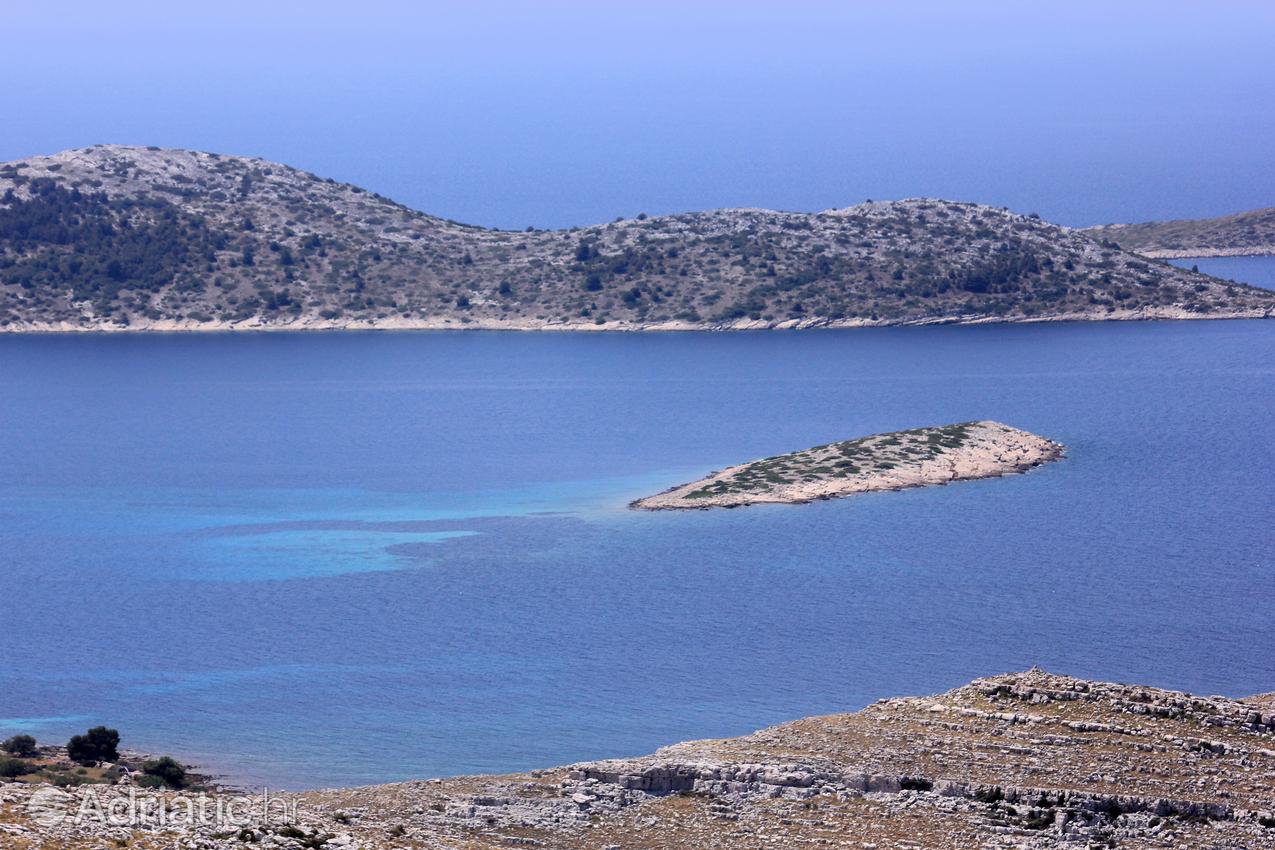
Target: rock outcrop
[[1024, 760]]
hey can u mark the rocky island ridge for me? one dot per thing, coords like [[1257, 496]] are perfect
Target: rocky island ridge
[[119, 238]]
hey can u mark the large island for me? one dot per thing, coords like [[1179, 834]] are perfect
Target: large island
[[115, 238], [893, 461]]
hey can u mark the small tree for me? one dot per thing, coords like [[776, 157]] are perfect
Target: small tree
[[168, 771], [98, 744], [22, 746], [80, 751]]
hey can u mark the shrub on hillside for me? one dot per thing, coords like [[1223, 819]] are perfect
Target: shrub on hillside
[[11, 768], [166, 771], [98, 744], [22, 746]]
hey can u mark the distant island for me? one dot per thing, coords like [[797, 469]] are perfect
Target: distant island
[[1243, 234], [111, 238], [894, 461]]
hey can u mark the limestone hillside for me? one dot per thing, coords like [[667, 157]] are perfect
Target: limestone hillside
[[113, 237], [1228, 236], [1024, 761]]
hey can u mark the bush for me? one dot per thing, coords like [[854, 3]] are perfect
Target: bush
[[66, 780], [167, 771], [22, 746], [13, 768], [98, 744]]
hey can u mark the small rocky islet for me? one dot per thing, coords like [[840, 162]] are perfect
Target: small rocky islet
[[897, 460]]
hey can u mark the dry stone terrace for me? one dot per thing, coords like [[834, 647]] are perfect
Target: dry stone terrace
[[1023, 760]]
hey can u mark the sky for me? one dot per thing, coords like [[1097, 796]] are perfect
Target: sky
[[554, 113]]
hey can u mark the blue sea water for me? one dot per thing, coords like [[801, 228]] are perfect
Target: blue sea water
[[1256, 271], [322, 559]]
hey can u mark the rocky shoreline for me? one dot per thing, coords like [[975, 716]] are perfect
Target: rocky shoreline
[[1202, 253], [1022, 760], [898, 460], [315, 323]]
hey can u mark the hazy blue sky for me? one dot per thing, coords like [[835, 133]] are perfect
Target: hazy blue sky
[[558, 113]]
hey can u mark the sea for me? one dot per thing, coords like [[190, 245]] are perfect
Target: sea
[[317, 559]]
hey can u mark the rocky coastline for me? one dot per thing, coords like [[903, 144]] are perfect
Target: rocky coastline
[[1022, 760], [448, 323]]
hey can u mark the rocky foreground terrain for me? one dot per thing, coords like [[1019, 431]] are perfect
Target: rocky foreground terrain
[[126, 238], [919, 457], [1024, 760], [1242, 234]]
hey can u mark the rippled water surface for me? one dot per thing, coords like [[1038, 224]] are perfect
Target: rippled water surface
[[315, 559], [1256, 271]]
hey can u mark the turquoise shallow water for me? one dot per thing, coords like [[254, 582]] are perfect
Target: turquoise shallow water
[[316, 559]]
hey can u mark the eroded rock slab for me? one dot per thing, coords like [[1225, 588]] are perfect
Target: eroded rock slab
[[1022, 760]]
